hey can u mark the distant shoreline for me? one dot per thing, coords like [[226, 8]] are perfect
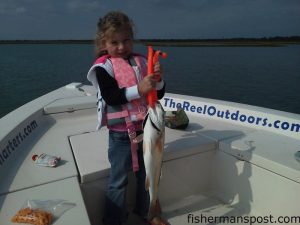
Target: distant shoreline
[[274, 41]]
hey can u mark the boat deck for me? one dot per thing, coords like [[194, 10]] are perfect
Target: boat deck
[[233, 162], [202, 210]]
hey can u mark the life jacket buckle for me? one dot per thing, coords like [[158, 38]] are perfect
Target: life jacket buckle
[[132, 135], [131, 131]]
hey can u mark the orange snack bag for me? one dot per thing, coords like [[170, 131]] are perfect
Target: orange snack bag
[[32, 216]]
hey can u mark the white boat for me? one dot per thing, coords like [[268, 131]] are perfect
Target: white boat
[[234, 163]]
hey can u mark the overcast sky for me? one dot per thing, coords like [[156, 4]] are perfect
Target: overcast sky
[[76, 19]]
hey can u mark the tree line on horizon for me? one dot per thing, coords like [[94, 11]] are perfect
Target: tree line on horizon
[[276, 38], [240, 39]]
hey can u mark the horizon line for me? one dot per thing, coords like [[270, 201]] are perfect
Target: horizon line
[[169, 39]]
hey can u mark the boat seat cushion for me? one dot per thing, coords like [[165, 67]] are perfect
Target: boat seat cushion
[[90, 150]]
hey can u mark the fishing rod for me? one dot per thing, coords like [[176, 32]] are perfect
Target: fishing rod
[[153, 56]]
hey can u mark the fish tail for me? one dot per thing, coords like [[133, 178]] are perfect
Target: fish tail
[[155, 208], [147, 183]]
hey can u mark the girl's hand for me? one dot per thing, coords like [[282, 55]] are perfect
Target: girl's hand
[[158, 71], [149, 82], [146, 85]]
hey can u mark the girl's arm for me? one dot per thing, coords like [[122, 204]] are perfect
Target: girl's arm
[[161, 92], [110, 91]]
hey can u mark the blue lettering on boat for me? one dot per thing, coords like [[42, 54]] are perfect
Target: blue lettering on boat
[[14, 143], [227, 114]]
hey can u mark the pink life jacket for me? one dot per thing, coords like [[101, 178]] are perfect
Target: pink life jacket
[[126, 76]]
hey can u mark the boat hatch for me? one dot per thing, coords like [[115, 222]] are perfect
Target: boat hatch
[[70, 104], [267, 150]]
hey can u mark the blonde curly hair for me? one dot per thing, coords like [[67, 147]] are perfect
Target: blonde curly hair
[[114, 21]]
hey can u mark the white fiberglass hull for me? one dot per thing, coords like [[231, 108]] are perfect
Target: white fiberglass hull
[[233, 160]]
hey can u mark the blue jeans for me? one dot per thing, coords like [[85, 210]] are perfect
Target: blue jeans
[[119, 155]]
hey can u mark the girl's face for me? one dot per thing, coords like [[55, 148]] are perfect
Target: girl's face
[[119, 44]]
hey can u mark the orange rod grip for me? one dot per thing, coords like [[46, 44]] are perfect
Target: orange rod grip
[[152, 60]]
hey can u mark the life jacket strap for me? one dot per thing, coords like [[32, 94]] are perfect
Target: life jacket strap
[[134, 140], [139, 113], [116, 115]]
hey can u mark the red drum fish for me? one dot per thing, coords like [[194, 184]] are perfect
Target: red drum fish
[[153, 146]]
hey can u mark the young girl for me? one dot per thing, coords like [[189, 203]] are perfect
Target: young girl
[[120, 77]]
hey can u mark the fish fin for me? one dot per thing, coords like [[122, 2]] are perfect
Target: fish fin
[[146, 147], [147, 183], [160, 175], [159, 145], [159, 172]]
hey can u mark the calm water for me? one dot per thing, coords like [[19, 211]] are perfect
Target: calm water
[[262, 76]]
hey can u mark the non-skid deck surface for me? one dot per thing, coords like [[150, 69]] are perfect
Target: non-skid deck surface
[[199, 210]]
